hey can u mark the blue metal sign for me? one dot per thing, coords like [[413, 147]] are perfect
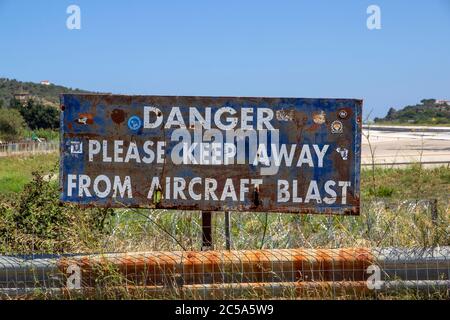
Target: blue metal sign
[[211, 153]]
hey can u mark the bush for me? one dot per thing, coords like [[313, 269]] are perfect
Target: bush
[[38, 116], [37, 222], [12, 124]]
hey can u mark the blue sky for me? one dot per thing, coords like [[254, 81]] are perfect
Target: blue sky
[[234, 48]]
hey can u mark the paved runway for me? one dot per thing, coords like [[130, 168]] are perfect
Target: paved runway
[[399, 145]]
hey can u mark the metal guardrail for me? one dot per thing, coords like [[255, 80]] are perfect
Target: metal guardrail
[[215, 274]]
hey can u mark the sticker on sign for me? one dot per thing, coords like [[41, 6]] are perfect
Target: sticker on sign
[[290, 155]]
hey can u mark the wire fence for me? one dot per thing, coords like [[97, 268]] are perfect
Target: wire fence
[[31, 147], [395, 248], [287, 273], [383, 223]]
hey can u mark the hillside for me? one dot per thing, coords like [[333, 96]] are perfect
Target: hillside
[[427, 112], [45, 94]]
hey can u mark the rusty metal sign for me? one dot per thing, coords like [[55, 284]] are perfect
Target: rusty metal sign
[[211, 153]]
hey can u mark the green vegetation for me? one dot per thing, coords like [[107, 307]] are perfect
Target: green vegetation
[[413, 182], [35, 222], [38, 116], [427, 112], [12, 125], [17, 171], [17, 124], [46, 94], [29, 103]]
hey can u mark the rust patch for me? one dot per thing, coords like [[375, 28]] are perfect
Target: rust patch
[[313, 127], [118, 116], [319, 117], [85, 118], [248, 266]]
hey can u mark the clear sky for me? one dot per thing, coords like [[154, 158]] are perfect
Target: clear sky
[[234, 48]]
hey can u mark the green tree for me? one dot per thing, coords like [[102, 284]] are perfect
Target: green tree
[[38, 116], [12, 124], [428, 102], [391, 114], [15, 104]]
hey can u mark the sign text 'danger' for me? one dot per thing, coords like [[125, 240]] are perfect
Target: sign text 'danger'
[[206, 153]]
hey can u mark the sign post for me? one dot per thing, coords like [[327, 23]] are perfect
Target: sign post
[[207, 241], [287, 155], [227, 230]]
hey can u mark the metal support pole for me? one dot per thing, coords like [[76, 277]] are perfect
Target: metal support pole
[[227, 230], [207, 243], [434, 210]]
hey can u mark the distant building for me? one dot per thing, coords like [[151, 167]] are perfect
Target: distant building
[[45, 82], [447, 102], [22, 96]]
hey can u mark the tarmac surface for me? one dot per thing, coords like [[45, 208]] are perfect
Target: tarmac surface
[[397, 146]]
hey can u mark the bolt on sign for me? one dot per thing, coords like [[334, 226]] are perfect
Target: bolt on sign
[[288, 155]]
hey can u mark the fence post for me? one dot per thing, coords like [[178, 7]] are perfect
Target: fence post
[[227, 230], [434, 210], [207, 243]]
